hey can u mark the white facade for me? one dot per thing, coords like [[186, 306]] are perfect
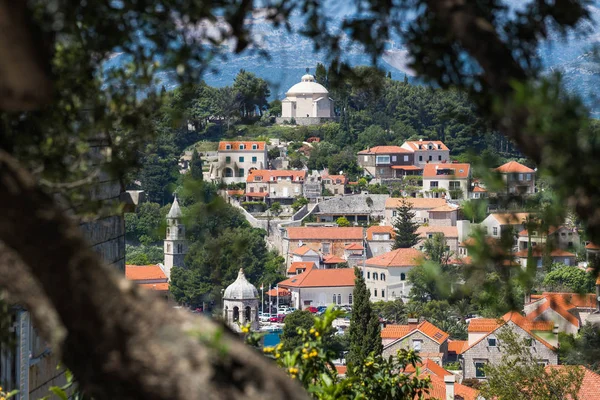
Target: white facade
[[321, 296], [240, 304], [307, 99], [236, 159], [394, 285], [175, 245]]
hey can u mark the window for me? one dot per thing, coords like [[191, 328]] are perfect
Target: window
[[254, 159], [241, 159], [227, 159], [454, 185], [339, 299], [520, 177], [254, 147], [374, 276], [528, 177], [439, 146], [495, 231], [416, 344], [402, 276], [382, 293], [394, 213], [366, 158], [334, 299], [375, 292], [492, 342], [251, 190], [236, 314], [405, 158], [430, 147], [242, 146], [420, 158], [439, 158], [382, 276], [430, 158], [325, 247], [382, 160], [479, 372], [394, 158], [368, 275], [241, 172], [350, 298], [433, 184]]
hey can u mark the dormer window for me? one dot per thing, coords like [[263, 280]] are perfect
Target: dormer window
[[254, 146], [242, 146], [257, 178], [430, 147], [227, 147], [439, 146], [491, 342]]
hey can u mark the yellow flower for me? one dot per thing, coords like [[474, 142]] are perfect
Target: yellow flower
[[277, 355], [316, 334], [313, 353], [293, 370], [268, 349], [279, 346], [312, 330], [245, 329], [305, 350], [304, 356]]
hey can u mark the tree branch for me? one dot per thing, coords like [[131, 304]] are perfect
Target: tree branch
[[121, 342]]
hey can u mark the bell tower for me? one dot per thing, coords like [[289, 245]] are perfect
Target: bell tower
[[175, 245]]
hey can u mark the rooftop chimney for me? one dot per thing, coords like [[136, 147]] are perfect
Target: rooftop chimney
[[413, 322], [449, 382]]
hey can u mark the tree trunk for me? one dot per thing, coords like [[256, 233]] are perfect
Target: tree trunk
[[121, 342]]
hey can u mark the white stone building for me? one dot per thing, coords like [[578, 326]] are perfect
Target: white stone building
[[428, 151], [386, 275], [240, 304], [307, 102], [320, 287], [420, 206], [446, 180], [236, 159]]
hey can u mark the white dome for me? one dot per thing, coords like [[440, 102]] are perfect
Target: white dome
[[241, 289], [307, 86]]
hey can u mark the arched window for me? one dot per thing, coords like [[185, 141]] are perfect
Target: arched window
[[368, 275], [382, 293], [382, 276], [334, 299], [374, 276], [168, 247], [247, 314], [403, 276], [168, 231], [339, 299], [236, 314], [350, 298], [375, 292]]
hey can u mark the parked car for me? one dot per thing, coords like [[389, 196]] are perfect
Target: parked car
[[264, 317], [292, 309], [283, 310], [273, 318], [312, 309], [280, 318]]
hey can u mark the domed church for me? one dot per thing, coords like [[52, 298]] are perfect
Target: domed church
[[307, 102], [240, 304]]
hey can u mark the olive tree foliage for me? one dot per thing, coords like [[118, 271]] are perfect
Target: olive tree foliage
[[57, 101]]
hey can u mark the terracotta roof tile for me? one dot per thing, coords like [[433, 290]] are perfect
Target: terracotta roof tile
[[144, 272], [561, 303], [540, 233], [265, 175], [428, 365], [341, 369], [380, 229], [332, 259], [433, 332], [159, 287], [444, 208], [257, 194], [479, 189], [235, 146], [302, 250], [425, 327], [407, 167], [456, 346], [510, 218], [414, 144], [484, 325], [592, 246], [314, 277], [590, 384], [438, 389], [274, 292], [235, 192], [396, 331], [538, 252], [396, 258], [354, 246], [447, 171], [415, 202], [299, 265], [335, 178], [448, 231], [324, 233], [514, 167], [384, 150]]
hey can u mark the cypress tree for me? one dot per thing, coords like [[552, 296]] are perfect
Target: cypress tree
[[364, 331], [404, 227], [196, 166]]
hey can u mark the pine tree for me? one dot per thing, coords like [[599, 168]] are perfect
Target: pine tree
[[404, 227], [364, 331], [196, 166]]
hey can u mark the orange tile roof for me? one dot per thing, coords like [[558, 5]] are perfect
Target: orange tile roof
[[448, 231], [235, 192], [396, 258], [513, 167], [461, 261], [354, 246], [467, 393], [537, 252], [313, 277], [540, 233], [380, 229], [257, 194], [341, 369], [144, 272], [425, 327], [590, 384], [302, 250], [484, 325], [235, 146], [428, 365], [334, 178], [446, 171], [561, 303], [592, 246], [510, 218], [444, 208], [159, 287], [324, 233], [415, 202], [407, 167], [265, 175], [456, 346], [414, 144], [332, 259], [384, 150], [281, 291], [478, 189], [299, 265]]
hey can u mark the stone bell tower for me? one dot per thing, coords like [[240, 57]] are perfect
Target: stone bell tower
[[175, 247]]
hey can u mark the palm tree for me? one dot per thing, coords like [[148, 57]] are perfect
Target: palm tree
[[462, 309]]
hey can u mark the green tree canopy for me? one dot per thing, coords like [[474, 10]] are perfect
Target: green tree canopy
[[570, 279], [405, 228]]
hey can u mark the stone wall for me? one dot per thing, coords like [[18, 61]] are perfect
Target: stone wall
[[427, 346], [305, 121]]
